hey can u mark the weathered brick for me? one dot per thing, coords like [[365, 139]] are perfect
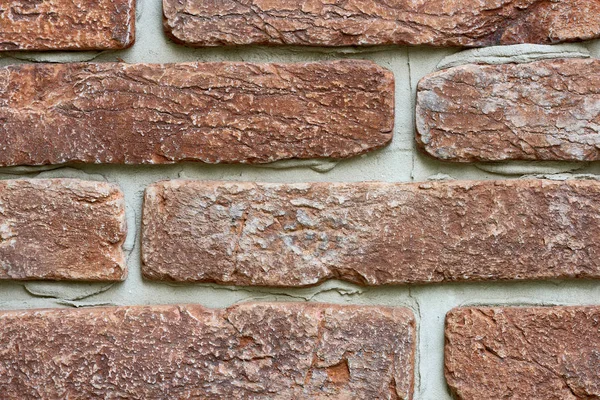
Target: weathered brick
[[210, 112], [370, 233], [266, 351], [545, 110], [376, 22], [61, 229], [523, 353], [66, 24]]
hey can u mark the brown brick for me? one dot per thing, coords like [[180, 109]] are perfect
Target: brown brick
[[61, 229], [66, 24], [370, 233], [373, 22], [210, 112], [523, 353], [258, 351], [545, 110]]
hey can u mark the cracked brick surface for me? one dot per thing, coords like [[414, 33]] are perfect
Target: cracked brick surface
[[61, 229], [370, 233], [266, 351], [377, 22], [523, 353], [210, 112], [66, 24], [544, 110]]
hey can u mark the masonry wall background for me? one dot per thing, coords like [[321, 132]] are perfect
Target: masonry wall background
[[400, 162]]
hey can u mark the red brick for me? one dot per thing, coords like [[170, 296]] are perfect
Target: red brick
[[370, 233], [66, 24], [544, 110], [61, 229], [523, 353], [376, 22], [259, 351], [210, 112]]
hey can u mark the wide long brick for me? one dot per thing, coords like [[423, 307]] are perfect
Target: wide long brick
[[61, 229], [266, 351], [545, 110], [523, 353], [210, 112], [377, 22], [370, 233], [66, 24]]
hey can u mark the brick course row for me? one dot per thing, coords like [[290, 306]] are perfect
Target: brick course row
[[301, 234], [110, 24], [116, 113], [308, 351]]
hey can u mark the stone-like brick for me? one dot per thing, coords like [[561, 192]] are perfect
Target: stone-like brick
[[61, 229], [66, 24], [523, 353], [258, 351], [377, 22], [210, 112], [545, 110], [370, 233]]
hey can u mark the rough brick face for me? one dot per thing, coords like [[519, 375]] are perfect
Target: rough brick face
[[259, 351], [545, 110], [61, 229], [210, 112], [523, 353], [370, 233], [66, 24], [377, 22]]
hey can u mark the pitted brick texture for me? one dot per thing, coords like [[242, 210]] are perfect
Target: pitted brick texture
[[523, 353], [370, 233], [378, 22], [545, 110], [210, 112], [66, 24], [259, 351], [61, 229]]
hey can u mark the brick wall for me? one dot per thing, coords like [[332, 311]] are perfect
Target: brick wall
[[299, 222]]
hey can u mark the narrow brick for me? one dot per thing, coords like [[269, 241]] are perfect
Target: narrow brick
[[211, 112], [370, 233], [545, 110], [258, 351], [61, 229], [523, 353], [378, 22], [66, 24]]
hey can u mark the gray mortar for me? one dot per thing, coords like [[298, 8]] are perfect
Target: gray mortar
[[400, 162], [518, 53], [66, 290], [54, 57], [531, 167]]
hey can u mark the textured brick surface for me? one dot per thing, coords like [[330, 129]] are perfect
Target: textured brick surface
[[266, 351], [370, 233], [376, 22], [61, 229], [210, 112], [523, 353], [545, 110], [66, 24]]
